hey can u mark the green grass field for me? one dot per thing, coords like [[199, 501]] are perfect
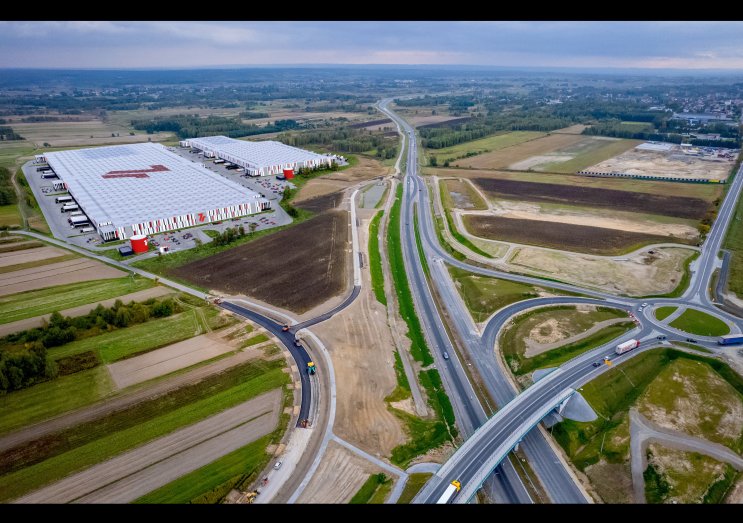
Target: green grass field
[[734, 243], [596, 152], [521, 365], [248, 460], [112, 443], [453, 229], [569, 322], [419, 243], [375, 260], [50, 398], [29, 304], [115, 345], [413, 486], [418, 349], [483, 296], [483, 145], [9, 215], [698, 322], [10, 152], [255, 340], [374, 490], [661, 313]]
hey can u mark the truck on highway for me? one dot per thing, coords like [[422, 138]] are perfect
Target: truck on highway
[[311, 368], [730, 339], [448, 494], [627, 346]]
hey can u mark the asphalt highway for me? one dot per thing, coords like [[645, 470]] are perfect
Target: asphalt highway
[[467, 464]]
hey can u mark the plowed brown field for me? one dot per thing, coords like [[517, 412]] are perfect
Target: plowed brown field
[[579, 238], [295, 269], [694, 208]]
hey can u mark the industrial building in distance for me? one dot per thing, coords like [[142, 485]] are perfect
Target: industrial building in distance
[[258, 158], [145, 188]]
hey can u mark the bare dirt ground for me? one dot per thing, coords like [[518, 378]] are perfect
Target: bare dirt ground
[[624, 221], [366, 169], [29, 255], [671, 165], [296, 269], [612, 481], [71, 271], [361, 345], [339, 476], [38, 321], [525, 165], [134, 473], [736, 493], [503, 158], [639, 274], [536, 343], [173, 357]]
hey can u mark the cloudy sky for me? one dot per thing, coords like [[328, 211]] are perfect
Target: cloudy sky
[[694, 45]]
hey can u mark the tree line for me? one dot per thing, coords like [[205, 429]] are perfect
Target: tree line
[[192, 126], [23, 355], [7, 193], [8, 134]]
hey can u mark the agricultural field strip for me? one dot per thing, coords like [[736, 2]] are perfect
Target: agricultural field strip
[[559, 236], [120, 402], [45, 271], [681, 207], [38, 321], [159, 462], [24, 256], [318, 246]]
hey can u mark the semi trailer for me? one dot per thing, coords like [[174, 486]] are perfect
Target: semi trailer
[[449, 493], [730, 339], [70, 207], [627, 346]]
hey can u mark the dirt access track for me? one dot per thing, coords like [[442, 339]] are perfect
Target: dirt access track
[[339, 476], [133, 474], [295, 269], [361, 346], [71, 271]]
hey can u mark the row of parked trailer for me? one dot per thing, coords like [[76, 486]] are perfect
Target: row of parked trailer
[[77, 217]]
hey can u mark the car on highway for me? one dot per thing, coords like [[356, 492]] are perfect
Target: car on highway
[[662, 337], [278, 465], [644, 305], [691, 340], [446, 355], [596, 363]]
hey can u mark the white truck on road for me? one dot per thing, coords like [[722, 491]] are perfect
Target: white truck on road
[[448, 494], [627, 346]]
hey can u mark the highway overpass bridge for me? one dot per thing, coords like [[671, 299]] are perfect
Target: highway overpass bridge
[[478, 457]]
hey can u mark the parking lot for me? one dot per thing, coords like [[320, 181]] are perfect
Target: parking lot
[[271, 188]]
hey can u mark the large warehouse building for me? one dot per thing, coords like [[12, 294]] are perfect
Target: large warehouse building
[[146, 188], [258, 158]]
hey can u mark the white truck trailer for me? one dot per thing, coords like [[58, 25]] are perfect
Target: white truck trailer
[[449, 493], [70, 207], [627, 346]]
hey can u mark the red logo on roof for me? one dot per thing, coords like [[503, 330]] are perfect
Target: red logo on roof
[[136, 173]]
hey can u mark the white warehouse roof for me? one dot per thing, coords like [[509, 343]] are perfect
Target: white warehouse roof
[[131, 184], [267, 156]]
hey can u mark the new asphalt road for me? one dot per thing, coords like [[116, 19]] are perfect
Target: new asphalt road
[[468, 462]]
